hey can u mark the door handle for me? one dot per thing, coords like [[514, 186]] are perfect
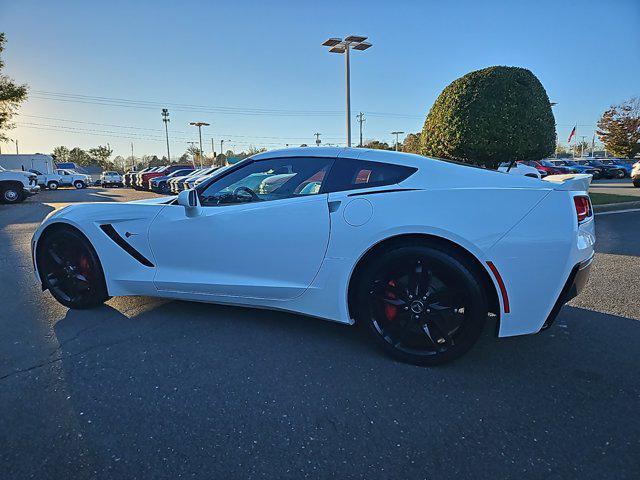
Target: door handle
[[333, 206]]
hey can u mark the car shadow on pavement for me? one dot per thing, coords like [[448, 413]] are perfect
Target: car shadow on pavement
[[140, 376]]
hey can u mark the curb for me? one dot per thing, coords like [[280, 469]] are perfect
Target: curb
[[612, 207]]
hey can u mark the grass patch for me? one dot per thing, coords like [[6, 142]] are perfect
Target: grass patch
[[604, 198]]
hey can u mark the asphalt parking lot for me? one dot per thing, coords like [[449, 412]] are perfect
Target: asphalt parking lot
[[149, 388]]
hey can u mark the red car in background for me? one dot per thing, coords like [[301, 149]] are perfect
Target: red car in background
[[545, 169], [144, 180]]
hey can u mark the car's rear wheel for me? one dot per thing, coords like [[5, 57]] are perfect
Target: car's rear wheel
[[70, 269], [636, 182], [79, 184], [421, 304], [620, 173]]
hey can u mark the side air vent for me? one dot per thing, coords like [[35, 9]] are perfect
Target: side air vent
[[122, 243]]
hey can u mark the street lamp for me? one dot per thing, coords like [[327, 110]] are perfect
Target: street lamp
[[200, 125], [338, 45], [397, 141]]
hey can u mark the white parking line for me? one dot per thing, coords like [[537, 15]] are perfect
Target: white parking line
[[619, 211]]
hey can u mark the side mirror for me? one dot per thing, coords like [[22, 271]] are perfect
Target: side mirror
[[189, 200]]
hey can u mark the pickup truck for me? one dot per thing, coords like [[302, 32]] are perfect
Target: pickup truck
[[47, 180], [111, 178], [16, 185], [72, 178]]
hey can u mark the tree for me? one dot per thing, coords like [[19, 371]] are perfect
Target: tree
[[102, 154], [490, 116], [562, 151], [79, 156], [61, 153], [378, 145], [619, 128], [11, 96], [412, 143], [120, 163]]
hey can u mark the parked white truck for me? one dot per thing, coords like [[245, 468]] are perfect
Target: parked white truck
[[16, 185], [43, 166]]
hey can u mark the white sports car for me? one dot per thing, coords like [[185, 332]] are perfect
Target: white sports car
[[417, 250]]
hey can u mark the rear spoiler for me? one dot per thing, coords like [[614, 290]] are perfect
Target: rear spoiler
[[575, 182]]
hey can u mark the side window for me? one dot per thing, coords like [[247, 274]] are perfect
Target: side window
[[271, 179], [349, 174]]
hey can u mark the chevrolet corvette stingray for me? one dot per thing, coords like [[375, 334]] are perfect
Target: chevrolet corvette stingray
[[419, 251]]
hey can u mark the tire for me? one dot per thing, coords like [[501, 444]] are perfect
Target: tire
[[435, 321], [53, 185], [636, 182], [70, 269], [620, 174], [79, 184], [12, 193]]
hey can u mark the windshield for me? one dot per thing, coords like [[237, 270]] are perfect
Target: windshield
[[547, 163]]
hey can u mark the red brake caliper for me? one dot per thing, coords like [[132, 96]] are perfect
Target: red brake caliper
[[390, 310]]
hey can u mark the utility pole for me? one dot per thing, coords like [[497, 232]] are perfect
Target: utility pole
[[318, 141], [213, 153], [165, 119], [221, 146], [397, 141], [361, 120], [133, 159]]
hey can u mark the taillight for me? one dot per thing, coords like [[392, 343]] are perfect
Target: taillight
[[583, 207]]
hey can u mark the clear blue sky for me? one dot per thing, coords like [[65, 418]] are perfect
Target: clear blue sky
[[239, 59]]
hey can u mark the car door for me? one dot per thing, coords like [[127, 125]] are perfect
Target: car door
[[249, 238], [65, 177]]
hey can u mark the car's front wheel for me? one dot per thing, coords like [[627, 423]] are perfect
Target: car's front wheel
[[423, 305], [12, 193], [53, 185], [70, 269], [79, 184]]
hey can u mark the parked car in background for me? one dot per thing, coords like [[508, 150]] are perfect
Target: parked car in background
[[129, 177], [204, 178], [137, 178], [341, 234], [549, 168], [160, 184], [608, 171], [71, 178], [190, 182], [635, 174], [111, 178], [595, 172], [177, 183], [563, 168], [618, 163], [145, 178], [16, 185], [519, 168], [50, 181]]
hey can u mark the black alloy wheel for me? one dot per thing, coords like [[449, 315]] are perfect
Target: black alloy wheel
[[70, 269], [423, 305]]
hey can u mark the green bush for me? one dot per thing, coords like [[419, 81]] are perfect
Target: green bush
[[489, 116]]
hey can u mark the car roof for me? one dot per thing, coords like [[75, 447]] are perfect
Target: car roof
[[368, 154]]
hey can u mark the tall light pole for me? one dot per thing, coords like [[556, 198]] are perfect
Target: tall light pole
[[165, 119], [200, 125], [338, 45], [16, 142]]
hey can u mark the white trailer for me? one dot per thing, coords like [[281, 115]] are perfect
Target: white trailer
[[25, 162]]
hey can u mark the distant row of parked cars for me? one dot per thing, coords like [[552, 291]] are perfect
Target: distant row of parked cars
[[167, 179], [598, 168]]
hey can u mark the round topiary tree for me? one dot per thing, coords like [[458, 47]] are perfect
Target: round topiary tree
[[490, 116]]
